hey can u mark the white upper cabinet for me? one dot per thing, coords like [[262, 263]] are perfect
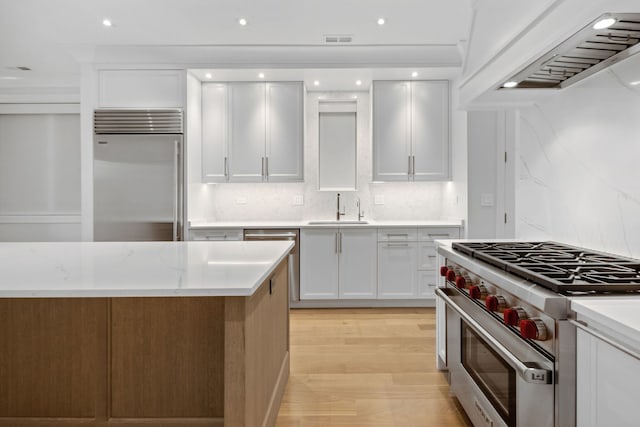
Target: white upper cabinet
[[411, 130], [247, 132], [391, 130], [284, 152], [141, 89], [252, 132], [215, 166]]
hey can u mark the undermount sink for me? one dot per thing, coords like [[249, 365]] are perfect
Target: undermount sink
[[335, 222]]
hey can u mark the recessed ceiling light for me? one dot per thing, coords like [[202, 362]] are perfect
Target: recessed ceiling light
[[604, 23], [242, 21], [381, 21], [354, 97], [636, 83], [510, 84], [358, 82], [10, 78], [261, 76], [107, 22], [316, 83], [414, 74], [208, 75]]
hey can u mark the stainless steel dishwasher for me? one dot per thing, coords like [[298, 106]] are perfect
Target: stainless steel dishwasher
[[292, 234]]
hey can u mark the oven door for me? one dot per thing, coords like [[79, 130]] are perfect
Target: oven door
[[498, 378]]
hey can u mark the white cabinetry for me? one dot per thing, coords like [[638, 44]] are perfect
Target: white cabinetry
[[607, 384], [337, 263], [215, 157], [141, 88], [410, 130], [428, 260], [216, 234], [252, 132], [397, 263], [407, 261]]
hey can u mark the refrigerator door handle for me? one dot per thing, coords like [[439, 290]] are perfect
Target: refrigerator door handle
[[176, 188]]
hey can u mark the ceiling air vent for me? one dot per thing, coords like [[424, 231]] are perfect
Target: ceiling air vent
[[338, 38], [586, 52]]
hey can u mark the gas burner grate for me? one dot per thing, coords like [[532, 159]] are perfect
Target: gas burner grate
[[561, 268]]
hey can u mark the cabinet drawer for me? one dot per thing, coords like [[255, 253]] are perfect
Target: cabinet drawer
[[397, 235], [427, 258], [431, 234], [216, 234], [427, 282]]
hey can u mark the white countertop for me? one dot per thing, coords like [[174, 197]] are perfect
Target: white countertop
[[118, 269], [194, 225], [617, 314]]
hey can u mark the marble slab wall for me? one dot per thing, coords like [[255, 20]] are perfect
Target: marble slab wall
[[578, 177], [276, 201]]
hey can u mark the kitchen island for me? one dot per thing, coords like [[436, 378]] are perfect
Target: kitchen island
[[154, 333]]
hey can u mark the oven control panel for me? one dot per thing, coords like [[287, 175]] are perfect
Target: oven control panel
[[522, 318]]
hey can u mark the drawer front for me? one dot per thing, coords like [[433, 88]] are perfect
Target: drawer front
[[427, 257], [216, 234], [427, 282], [430, 234], [397, 234]]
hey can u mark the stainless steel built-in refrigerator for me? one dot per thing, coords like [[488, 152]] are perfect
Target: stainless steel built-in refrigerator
[[138, 175]]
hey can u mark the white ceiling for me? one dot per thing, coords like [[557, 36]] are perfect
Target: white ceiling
[[51, 37]]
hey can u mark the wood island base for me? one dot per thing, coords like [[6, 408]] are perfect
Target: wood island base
[[152, 361]]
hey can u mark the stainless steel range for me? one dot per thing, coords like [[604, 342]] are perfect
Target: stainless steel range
[[510, 347]]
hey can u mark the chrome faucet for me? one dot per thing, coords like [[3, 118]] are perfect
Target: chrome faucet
[[338, 213], [360, 213]]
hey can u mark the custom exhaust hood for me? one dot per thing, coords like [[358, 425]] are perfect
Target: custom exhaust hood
[[603, 42]]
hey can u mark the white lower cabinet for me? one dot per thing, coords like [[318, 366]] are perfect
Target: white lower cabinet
[[397, 270], [367, 263], [319, 264], [337, 263], [606, 383]]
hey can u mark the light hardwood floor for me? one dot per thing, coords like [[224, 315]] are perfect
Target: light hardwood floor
[[366, 368]]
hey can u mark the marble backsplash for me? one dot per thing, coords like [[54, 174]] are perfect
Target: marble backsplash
[[578, 169]]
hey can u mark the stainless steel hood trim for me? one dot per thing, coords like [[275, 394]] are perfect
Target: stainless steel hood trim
[[583, 54], [138, 121]]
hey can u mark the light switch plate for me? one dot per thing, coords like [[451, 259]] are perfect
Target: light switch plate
[[298, 200], [378, 199], [241, 200]]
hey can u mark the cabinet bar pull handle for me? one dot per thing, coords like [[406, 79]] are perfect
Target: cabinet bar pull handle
[[266, 168], [413, 165], [226, 167], [409, 166], [263, 168], [397, 245]]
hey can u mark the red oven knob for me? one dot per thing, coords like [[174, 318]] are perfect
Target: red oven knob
[[444, 270], [451, 275], [533, 329], [495, 303], [461, 282], [513, 315], [477, 292]]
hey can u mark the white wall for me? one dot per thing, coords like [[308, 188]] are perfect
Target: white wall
[[39, 172], [275, 201], [578, 170]]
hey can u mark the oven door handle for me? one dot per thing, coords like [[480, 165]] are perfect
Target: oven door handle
[[529, 371]]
